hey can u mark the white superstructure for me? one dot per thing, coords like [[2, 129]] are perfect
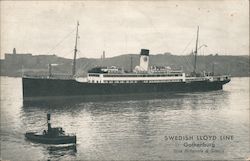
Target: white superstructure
[[135, 78], [142, 74]]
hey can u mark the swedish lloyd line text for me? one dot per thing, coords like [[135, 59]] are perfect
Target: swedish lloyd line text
[[198, 137]]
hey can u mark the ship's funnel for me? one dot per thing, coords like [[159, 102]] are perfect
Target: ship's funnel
[[48, 117], [144, 59], [145, 52]]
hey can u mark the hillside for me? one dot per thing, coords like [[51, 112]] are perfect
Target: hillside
[[237, 66]]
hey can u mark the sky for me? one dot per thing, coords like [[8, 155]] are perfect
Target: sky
[[124, 27]]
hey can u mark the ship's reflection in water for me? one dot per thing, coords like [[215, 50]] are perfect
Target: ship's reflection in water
[[174, 101], [117, 125], [60, 151], [127, 127], [71, 100], [77, 100]]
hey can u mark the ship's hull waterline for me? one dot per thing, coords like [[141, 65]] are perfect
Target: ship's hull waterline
[[35, 89]]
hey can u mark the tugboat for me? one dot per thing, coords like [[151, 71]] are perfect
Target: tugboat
[[51, 136]]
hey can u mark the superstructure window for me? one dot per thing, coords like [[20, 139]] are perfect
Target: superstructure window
[[94, 75]]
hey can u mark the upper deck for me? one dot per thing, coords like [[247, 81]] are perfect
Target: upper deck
[[152, 76], [116, 75]]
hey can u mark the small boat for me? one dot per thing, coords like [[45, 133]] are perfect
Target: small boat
[[51, 136]]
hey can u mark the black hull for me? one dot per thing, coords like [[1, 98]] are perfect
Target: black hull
[[51, 140], [39, 89]]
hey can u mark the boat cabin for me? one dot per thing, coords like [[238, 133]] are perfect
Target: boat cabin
[[116, 75], [56, 131]]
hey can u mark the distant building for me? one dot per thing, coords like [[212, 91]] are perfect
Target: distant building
[[103, 55], [15, 62], [17, 59], [167, 53], [27, 58], [14, 51]]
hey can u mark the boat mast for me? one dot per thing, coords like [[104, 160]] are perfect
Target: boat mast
[[75, 51], [48, 122], [131, 64], [196, 50]]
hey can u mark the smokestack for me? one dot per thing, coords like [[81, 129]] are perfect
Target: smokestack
[[144, 59], [145, 52], [48, 122]]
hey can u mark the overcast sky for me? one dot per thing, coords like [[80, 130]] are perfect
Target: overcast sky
[[120, 27]]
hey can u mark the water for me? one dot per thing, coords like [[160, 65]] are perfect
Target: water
[[130, 129]]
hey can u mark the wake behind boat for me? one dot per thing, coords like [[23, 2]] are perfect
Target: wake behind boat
[[105, 81]]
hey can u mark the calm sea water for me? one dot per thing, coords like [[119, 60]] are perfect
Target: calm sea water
[[131, 129]]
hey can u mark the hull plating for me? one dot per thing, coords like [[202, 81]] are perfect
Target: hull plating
[[51, 140], [34, 88]]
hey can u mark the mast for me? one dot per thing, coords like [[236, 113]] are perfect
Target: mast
[[50, 73], [131, 64], [48, 122], [196, 50], [213, 69], [75, 51]]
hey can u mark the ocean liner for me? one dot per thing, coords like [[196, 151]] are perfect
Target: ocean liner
[[112, 81]]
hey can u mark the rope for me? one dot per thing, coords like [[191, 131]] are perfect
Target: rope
[[186, 57], [64, 38]]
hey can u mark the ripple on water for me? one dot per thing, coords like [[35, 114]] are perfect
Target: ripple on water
[[128, 129]]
